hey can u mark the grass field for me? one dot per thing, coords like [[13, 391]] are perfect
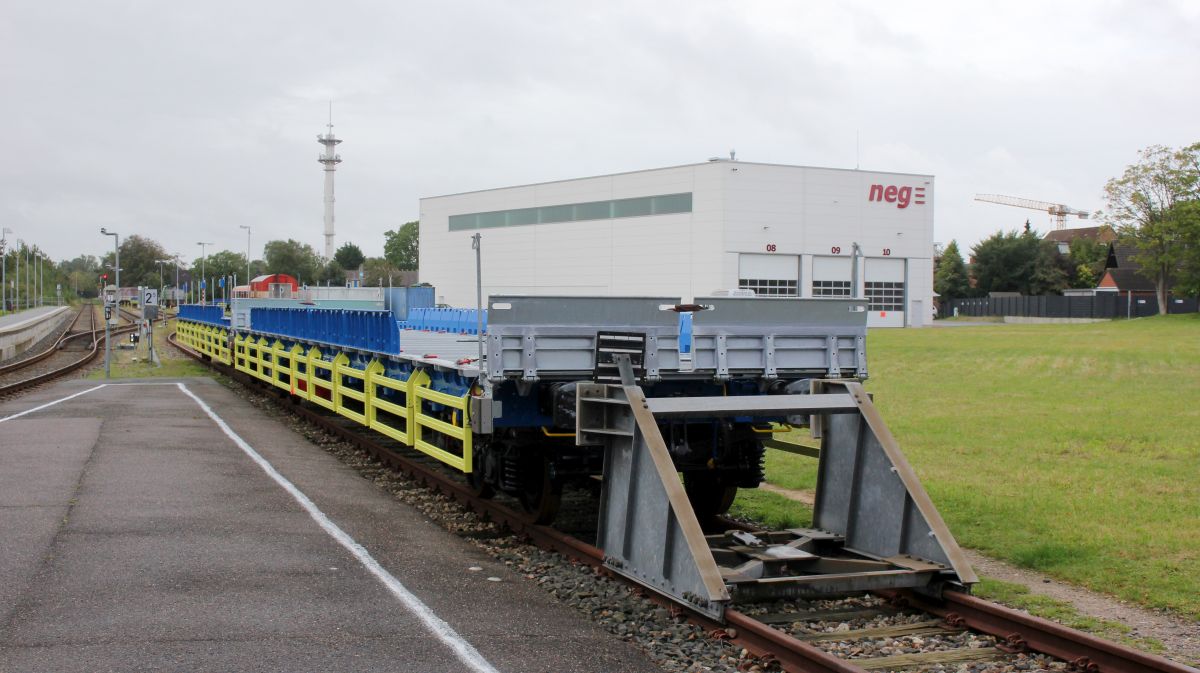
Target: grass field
[[1070, 449], [133, 363]]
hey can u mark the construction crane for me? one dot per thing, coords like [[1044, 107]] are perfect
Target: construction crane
[[1058, 210]]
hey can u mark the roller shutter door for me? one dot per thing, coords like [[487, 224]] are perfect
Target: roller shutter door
[[831, 276], [885, 291], [770, 275]]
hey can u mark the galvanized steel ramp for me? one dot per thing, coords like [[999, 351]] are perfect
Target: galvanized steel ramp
[[647, 528], [874, 526]]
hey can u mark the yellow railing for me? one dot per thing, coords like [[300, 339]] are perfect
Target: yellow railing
[[239, 353], [207, 339], [318, 384], [266, 362], [307, 374], [375, 381], [285, 365], [459, 429], [342, 392]]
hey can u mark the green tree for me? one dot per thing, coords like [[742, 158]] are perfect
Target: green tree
[[377, 271], [139, 256], [294, 258], [401, 246], [81, 275], [1018, 262], [333, 274], [349, 256], [258, 267], [950, 278], [225, 263], [1188, 278], [1146, 204], [1086, 261], [87, 263], [39, 276], [1003, 262], [1051, 271]]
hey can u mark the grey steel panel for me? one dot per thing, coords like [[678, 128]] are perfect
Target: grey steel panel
[[647, 528], [535, 337], [869, 493], [588, 311], [532, 352], [773, 336], [835, 472], [782, 311], [751, 404], [418, 343], [545, 336], [868, 500]]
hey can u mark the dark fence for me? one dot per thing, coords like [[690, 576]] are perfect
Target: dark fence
[[1107, 305]]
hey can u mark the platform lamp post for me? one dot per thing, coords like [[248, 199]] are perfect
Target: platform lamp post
[[175, 291], [117, 272], [4, 269], [162, 296], [203, 278], [247, 228]]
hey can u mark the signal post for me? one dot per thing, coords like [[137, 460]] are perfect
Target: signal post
[[110, 311]]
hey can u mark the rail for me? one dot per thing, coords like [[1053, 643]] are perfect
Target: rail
[[95, 332]]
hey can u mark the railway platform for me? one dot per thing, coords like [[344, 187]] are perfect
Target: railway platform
[[19, 331], [169, 525]]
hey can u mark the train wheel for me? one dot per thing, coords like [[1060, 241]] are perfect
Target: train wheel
[[709, 494], [542, 496]]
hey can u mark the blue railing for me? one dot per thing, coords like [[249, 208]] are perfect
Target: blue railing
[[453, 320], [374, 331], [211, 315]]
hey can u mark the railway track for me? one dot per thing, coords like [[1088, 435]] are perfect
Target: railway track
[[885, 630], [76, 347]]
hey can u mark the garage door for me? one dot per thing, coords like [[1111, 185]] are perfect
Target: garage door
[[770, 275], [884, 290], [831, 276]]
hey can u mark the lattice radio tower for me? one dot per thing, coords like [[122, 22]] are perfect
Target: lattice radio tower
[[330, 161]]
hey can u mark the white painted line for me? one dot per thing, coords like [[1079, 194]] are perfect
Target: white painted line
[[50, 404], [444, 632]]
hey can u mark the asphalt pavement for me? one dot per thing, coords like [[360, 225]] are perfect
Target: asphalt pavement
[[141, 535]]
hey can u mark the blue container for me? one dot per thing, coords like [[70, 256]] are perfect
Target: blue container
[[402, 300]]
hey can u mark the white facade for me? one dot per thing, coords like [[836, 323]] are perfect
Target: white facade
[[690, 230]]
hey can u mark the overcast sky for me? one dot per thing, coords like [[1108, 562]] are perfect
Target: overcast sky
[[182, 120]]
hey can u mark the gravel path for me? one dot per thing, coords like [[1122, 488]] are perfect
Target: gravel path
[[1180, 635]]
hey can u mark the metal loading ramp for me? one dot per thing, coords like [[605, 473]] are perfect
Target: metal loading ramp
[[874, 527]]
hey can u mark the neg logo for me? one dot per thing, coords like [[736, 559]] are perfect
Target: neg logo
[[901, 196]]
